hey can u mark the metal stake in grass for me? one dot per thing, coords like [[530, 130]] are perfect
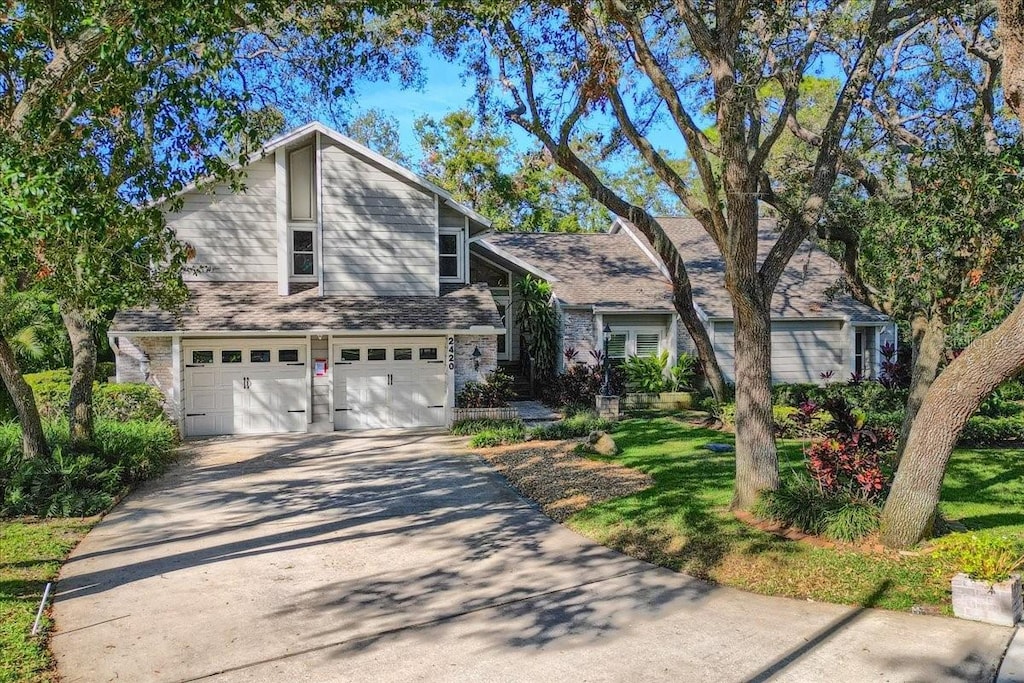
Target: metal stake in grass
[[42, 604]]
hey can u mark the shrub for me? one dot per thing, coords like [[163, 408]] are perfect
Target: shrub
[[983, 431], [471, 427], [105, 370], [84, 484], [983, 557], [646, 374], [804, 422], [681, 376], [125, 402], [792, 395], [577, 387], [572, 427], [800, 503], [1012, 389], [494, 392], [508, 433]]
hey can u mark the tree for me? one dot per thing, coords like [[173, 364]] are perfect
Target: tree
[[622, 66], [997, 355], [378, 130]]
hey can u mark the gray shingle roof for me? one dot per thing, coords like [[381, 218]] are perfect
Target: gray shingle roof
[[803, 289], [256, 306], [601, 269]]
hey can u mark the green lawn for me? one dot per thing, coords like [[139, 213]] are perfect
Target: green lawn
[[31, 552], [683, 522]]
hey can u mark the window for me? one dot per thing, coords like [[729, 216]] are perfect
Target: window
[[350, 355], [450, 255], [303, 253], [230, 356], [403, 354], [288, 356], [376, 354], [502, 344], [617, 346], [864, 352], [428, 353], [647, 343], [301, 203], [259, 356], [202, 357]]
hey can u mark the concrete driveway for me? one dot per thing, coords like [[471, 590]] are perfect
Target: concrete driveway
[[395, 557]]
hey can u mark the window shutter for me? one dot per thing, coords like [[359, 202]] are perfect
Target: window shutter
[[617, 345], [647, 344]]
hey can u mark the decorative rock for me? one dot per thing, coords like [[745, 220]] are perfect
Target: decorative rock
[[603, 444], [719, 447]]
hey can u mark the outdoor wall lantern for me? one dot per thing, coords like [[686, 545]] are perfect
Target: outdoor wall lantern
[[476, 358], [606, 384]]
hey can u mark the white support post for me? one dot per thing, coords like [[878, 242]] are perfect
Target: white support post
[[281, 176], [177, 399]]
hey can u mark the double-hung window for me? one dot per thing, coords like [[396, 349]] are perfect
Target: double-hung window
[[303, 247], [451, 254]]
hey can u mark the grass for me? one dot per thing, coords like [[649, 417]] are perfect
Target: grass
[[683, 522], [31, 552]]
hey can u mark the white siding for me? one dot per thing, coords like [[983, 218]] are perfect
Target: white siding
[[801, 350], [234, 234], [379, 230]]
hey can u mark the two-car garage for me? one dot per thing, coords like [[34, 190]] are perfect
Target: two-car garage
[[263, 385]]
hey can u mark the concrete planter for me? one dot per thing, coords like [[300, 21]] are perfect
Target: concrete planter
[[998, 603], [504, 413], [607, 407], [666, 400]]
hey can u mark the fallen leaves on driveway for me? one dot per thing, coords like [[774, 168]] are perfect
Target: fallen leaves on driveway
[[559, 480]]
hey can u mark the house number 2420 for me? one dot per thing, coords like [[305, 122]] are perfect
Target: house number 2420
[[451, 353]]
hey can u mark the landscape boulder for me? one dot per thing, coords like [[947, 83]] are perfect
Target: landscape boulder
[[602, 442]]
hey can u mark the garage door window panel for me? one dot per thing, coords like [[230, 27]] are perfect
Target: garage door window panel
[[376, 354], [351, 355], [288, 356], [231, 356], [202, 357], [428, 353], [259, 356], [403, 354]]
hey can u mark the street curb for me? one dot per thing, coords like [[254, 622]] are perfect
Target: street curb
[[1011, 669]]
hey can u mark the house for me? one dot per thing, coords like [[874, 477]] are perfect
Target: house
[[334, 293], [617, 279], [343, 291]]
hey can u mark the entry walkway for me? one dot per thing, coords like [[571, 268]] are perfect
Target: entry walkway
[[393, 557]]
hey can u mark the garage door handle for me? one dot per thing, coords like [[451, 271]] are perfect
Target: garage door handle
[[342, 410], [435, 361], [296, 364], [297, 411], [345, 363], [435, 406], [195, 414]]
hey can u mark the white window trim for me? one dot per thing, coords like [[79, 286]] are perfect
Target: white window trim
[[461, 253], [307, 277]]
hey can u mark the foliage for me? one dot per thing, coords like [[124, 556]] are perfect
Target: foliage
[[378, 130], [855, 466], [982, 430], [476, 159], [683, 373], [801, 503], [646, 374], [579, 385], [66, 484], [1011, 390], [494, 392], [511, 432], [805, 422], [868, 395], [572, 427], [471, 427], [111, 401], [538, 322], [31, 324], [983, 557]]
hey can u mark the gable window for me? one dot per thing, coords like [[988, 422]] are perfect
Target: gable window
[[301, 196], [303, 253], [451, 256]]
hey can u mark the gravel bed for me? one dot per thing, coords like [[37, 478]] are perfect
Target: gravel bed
[[560, 481]]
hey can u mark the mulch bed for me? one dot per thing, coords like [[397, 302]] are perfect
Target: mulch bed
[[561, 481]]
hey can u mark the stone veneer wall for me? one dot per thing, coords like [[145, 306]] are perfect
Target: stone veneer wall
[[130, 355], [684, 342], [464, 345], [578, 333]]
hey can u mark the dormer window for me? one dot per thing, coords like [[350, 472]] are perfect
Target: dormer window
[[451, 254], [301, 195]]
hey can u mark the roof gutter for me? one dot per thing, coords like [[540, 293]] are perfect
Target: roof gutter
[[472, 329]]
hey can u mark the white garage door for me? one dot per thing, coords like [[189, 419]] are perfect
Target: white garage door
[[245, 386], [801, 350], [392, 382]]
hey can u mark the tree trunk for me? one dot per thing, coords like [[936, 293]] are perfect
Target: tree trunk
[[33, 440], [909, 512], [929, 344], [83, 372], [757, 459]]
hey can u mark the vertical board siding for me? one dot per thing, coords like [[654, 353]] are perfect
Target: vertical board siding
[[378, 232], [234, 234], [801, 350]]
